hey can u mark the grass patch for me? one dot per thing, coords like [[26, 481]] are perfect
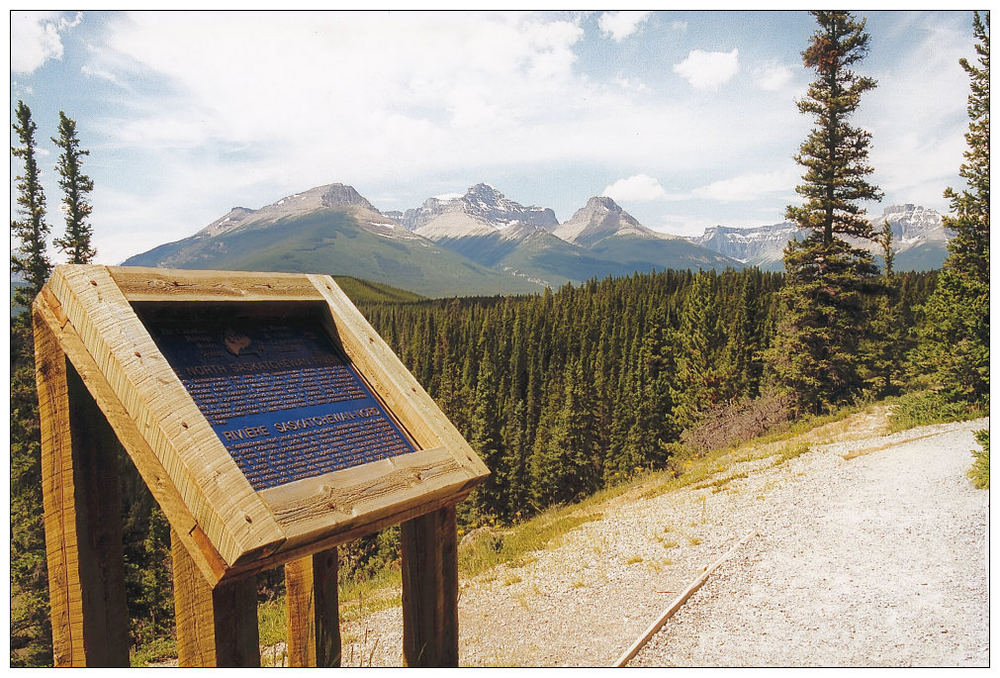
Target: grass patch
[[720, 483], [511, 546], [271, 621], [511, 579], [980, 471], [156, 650], [522, 561], [633, 560], [362, 597], [790, 452]]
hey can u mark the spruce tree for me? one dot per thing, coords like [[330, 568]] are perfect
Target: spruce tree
[[741, 355], [884, 346], [827, 279], [954, 339], [699, 380], [484, 426], [76, 186], [30, 639], [29, 258]]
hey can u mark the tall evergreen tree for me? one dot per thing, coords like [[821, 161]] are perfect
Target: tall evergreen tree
[[741, 356], [884, 345], [484, 425], [76, 187], [29, 258], [30, 639], [954, 340], [835, 154], [823, 311], [699, 381]]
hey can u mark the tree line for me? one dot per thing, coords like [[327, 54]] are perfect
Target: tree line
[[567, 392]]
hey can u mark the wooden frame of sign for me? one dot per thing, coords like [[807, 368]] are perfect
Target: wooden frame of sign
[[104, 382]]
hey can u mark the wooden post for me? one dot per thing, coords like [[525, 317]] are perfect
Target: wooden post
[[215, 627], [82, 508], [430, 589], [313, 610]]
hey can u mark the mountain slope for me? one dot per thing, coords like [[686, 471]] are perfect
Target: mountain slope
[[534, 253], [608, 232], [331, 229]]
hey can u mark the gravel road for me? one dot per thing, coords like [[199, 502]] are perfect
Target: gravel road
[[875, 560]]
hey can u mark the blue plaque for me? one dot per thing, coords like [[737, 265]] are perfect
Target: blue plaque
[[283, 399]]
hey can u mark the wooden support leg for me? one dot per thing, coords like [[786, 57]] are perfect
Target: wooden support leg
[[430, 589], [313, 610], [215, 627], [82, 508]]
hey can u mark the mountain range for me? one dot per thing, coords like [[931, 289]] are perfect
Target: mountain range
[[919, 240], [482, 243]]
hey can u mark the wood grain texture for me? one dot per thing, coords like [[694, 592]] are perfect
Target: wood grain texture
[[48, 312], [215, 627], [217, 494], [313, 610], [65, 601], [313, 508], [159, 284], [82, 515], [430, 589]]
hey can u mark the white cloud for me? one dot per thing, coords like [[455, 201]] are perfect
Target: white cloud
[[773, 77], [708, 70], [35, 38], [748, 187], [678, 25], [620, 25], [637, 188], [101, 74], [304, 75], [917, 114], [632, 84]]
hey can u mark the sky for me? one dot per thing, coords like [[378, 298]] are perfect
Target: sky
[[687, 119]]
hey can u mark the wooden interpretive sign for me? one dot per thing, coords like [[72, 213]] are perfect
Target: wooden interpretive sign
[[270, 422]]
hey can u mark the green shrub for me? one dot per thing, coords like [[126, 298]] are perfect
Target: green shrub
[[980, 471], [927, 407]]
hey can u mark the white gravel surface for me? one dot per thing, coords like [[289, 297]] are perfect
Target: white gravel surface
[[877, 560]]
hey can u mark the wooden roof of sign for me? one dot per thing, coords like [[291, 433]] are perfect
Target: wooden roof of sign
[[230, 528]]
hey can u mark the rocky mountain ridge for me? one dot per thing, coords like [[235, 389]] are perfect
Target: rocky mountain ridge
[[481, 202], [918, 233]]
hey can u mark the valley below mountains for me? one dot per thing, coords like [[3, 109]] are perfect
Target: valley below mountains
[[482, 243]]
